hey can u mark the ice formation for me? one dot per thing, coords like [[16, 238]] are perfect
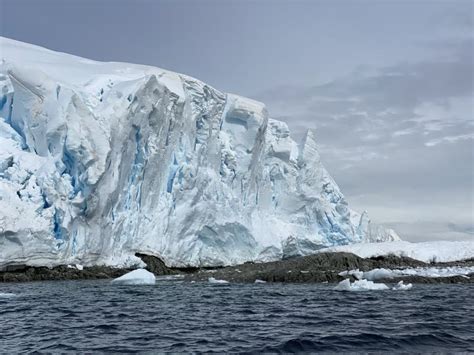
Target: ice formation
[[360, 285], [402, 287], [436, 251], [100, 161], [378, 274], [136, 277], [213, 280]]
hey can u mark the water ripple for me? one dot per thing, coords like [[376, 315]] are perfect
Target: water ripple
[[176, 316]]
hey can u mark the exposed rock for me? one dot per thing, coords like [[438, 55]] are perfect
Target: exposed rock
[[322, 267]]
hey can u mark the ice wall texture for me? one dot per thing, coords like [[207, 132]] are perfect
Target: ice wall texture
[[99, 161]]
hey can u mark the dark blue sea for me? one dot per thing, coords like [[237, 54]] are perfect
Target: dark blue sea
[[180, 316]]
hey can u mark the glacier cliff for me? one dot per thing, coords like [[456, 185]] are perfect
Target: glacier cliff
[[99, 161]]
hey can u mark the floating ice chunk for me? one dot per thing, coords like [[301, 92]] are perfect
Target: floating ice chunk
[[7, 295], [136, 277], [257, 281], [212, 280], [402, 287], [359, 285]]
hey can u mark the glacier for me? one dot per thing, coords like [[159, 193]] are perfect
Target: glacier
[[100, 161]]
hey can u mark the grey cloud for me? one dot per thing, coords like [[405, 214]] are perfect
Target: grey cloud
[[428, 231], [392, 137], [399, 137]]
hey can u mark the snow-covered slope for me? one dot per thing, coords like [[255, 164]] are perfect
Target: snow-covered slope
[[99, 161], [437, 251]]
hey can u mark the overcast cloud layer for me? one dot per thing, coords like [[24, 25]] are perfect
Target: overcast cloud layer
[[387, 85]]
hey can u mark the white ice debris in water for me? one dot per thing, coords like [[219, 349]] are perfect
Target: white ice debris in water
[[212, 280], [79, 267], [402, 287], [360, 285], [7, 295], [437, 251], [93, 155], [136, 277], [378, 274], [257, 281]]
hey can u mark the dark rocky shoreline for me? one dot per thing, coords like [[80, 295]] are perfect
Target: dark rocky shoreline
[[325, 267], [322, 267]]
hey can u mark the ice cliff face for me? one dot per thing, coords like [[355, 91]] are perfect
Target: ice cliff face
[[99, 161]]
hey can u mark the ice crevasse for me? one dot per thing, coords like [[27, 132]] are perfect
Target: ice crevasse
[[100, 161]]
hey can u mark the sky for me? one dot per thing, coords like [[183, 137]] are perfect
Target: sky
[[387, 85]]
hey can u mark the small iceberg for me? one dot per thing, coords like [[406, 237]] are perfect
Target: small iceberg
[[360, 285], [402, 287], [136, 277], [257, 281], [216, 281]]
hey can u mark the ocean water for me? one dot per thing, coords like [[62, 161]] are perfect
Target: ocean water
[[179, 316]]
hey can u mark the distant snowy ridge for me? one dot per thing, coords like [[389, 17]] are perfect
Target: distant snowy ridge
[[438, 251], [99, 161]]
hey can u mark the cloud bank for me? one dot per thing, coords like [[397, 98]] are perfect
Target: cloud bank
[[404, 132]]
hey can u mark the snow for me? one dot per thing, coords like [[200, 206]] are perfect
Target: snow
[[438, 251], [402, 287], [77, 266], [359, 275], [212, 280], [360, 285], [93, 155], [170, 277], [136, 277], [378, 274]]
